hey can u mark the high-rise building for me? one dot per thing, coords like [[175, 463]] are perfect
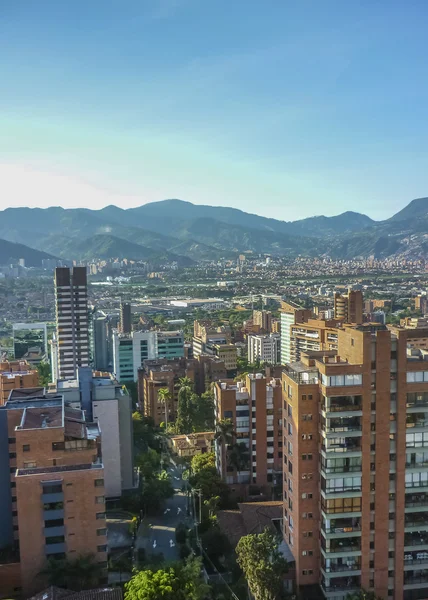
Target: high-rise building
[[348, 308], [291, 313], [253, 463], [125, 318], [71, 300], [99, 342], [52, 486], [264, 348], [15, 375], [104, 400], [355, 478], [263, 319], [129, 351]]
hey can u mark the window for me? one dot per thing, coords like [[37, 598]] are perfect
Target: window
[[308, 534], [102, 548], [228, 414], [306, 417], [58, 446], [30, 464], [54, 488], [99, 500], [11, 440], [99, 482], [102, 531], [101, 515], [26, 448], [306, 456], [306, 496], [12, 454], [54, 523], [56, 539], [342, 380]]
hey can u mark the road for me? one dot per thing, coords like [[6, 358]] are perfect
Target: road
[[156, 533]]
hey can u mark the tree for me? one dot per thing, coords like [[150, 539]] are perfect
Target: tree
[[156, 490], [81, 573], [148, 463], [184, 420], [262, 563], [212, 505], [164, 396], [363, 595], [224, 432], [44, 370], [180, 581], [215, 543], [202, 461], [204, 476], [203, 412], [238, 457]]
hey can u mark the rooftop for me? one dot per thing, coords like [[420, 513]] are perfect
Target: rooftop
[[42, 418]]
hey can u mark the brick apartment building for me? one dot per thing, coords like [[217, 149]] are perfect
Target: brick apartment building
[[355, 465], [51, 488], [256, 400], [15, 375]]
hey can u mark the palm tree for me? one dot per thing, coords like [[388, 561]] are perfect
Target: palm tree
[[238, 457], [185, 382], [164, 396], [224, 432]]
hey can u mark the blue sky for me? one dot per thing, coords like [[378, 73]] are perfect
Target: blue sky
[[283, 108]]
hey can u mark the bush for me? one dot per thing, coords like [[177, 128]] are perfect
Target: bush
[[184, 551]]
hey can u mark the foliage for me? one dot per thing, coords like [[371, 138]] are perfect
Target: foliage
[[180, 581], [224, 432], [363, 595], [81, 573], [262, 564], [238, 457], [155, 490], [206, 478], [186, 401], [44, 370], [145, 435], [203, 417], [215, 543], [148, 463], [202, 461], [212, 505]]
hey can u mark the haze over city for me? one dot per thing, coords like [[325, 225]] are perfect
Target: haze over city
[[282, 109]]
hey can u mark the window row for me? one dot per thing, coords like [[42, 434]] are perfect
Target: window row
[[342, 380]]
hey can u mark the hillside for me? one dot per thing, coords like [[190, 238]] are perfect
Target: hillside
[[182, 231], [11, 253]]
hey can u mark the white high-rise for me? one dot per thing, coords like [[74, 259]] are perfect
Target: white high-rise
[[265, 348]]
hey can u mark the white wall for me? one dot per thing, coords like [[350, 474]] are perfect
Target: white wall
[[106, 412]]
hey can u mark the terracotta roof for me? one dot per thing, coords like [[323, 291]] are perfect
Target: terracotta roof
[[56, 593], [252, 517]]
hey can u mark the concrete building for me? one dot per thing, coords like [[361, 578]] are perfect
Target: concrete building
[[99, 343], [163, 373], [313, 335], [29, 336], [291, 313], [355, 478], [256, 400], [16, 375], [263, 319], [264, 348], [348, 308], [228, 354], [206, 335], [71, 303], [52, 497], [129, 351], [125, 318], [107, 403], [191, 444]]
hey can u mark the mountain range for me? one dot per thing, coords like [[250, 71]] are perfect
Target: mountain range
[[177, 230]]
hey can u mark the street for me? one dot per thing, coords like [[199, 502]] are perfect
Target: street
[[157, 534]]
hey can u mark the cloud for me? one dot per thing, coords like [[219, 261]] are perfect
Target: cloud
[[22, 185]]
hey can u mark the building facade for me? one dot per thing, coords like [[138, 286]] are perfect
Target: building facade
[[264, 348], [254, 408], [15, 375], [355, 475], [53, 504], [71, 303], [349, 307], [125, 318], [290, 313]]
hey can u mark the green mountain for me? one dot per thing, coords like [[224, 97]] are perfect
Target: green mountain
[[11, 253]]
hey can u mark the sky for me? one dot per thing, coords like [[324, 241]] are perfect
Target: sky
[[284, 108]]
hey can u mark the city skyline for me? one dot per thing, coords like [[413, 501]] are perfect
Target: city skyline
[[285, 111]]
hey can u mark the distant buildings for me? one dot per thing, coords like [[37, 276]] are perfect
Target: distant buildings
[[216, 341], [130, 350], [264, 348], [99, 342], [263, 320], [291, 313], [71, 303], [30, 341], [349, 307], [15, 375], [52, 495], [125, 318]]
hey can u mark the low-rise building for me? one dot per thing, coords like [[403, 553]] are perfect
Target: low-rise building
[[14, 375], [190, 444]]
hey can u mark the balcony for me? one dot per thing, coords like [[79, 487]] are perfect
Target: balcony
[[416, 501], [340, 445], [415, 558], [417, 520], [340, 565], [416, 538], [341, 527], [416, 577], [341, 468], [53, 531], [341, 425], [341, 546], [55, 548], [52, 514], [56, 497], [301, 374], [347, 585]]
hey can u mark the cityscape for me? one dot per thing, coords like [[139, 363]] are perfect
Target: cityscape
[[213, 300]]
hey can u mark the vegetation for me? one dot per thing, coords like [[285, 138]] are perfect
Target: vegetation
[[77, 574], [44, 370], [204, 476], [180, 581], [164, 396], [194, 413], [262, 563], [363, 595]]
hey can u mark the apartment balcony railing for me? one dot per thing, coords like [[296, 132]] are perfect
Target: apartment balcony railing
[[341, 529], [337, 568], [413, 503], [411, 580], [415, 465], [341, 490], [345, 546], [419, 538], [342, 469], [418, 558], [341, 407]]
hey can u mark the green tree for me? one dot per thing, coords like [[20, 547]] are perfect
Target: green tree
[[164, 396], [80, 573], [44, 370], [262, 563], [184, 420], [203, 412], [204, 476], [180, 581], [238, 457], [224, 432], [215, 543], [363, 595], [212, 505], [148, 463], [156, 490]]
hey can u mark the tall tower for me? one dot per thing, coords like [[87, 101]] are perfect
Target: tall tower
[[71, 303], [125, 317]]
